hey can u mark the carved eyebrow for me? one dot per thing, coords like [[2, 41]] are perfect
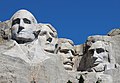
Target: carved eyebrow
[[51, 34], [16, 21], [27, 21], [43, 33], [100, 50], [91, 51]]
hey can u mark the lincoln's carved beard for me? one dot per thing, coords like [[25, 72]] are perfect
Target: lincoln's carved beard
[[23, 26]]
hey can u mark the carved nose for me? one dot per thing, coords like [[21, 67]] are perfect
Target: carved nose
[[95, 58], [20, 28], [70, 56], [95, 55], [49, 39]]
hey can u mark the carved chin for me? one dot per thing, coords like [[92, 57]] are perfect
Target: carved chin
[[99, 67], [68, 67]]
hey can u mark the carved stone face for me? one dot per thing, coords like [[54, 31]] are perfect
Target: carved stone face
[[66, 52], [23, 26], [48, 38], [99, 53]]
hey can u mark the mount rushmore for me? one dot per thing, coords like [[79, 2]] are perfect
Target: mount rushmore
[[31, 52]]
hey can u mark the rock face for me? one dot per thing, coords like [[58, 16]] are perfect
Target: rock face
[[31, 52]]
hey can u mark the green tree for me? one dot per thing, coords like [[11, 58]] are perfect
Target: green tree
[[69, 81]]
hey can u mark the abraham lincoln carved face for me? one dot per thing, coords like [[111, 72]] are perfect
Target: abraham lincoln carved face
[[99, 55]]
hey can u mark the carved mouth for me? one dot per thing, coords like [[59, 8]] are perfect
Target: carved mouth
[[24, 32], [47, 43], [97, 62], [68, 63]]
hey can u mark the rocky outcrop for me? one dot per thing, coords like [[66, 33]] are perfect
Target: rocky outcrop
[[31, 52]]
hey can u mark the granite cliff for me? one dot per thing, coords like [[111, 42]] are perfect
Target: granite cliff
[[31, 52]]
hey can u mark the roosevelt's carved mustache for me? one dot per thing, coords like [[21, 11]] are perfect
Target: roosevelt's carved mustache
[[66, 62]]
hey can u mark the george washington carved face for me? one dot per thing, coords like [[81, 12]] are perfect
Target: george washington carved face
[[22, 26]]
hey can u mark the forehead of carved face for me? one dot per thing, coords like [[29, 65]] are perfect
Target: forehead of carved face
[[24, 15], [23, 26], [99, 53], [66, 53], [47, 32], [47, 38]]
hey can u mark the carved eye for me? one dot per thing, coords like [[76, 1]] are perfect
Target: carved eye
[[100, 50], [27, 21], [52, 34], [43, 33], [91, 51], [16, 21], [65, 51]]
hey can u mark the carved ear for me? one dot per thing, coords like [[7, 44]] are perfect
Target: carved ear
[[6, 34], [36, 33]]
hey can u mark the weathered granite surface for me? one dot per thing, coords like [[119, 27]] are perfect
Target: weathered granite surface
[[31, 52]]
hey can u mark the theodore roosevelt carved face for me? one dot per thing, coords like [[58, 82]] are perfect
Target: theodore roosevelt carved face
[[66, 52]]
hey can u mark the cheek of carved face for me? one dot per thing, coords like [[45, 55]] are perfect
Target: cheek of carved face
[[47, 39], [99, 55], [67, 58], [14, 30]]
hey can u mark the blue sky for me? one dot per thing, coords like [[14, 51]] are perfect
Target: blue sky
[[73, 19]]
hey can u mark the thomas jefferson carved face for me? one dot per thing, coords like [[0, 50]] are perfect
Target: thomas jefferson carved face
[[23, 26], [48, 38]]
